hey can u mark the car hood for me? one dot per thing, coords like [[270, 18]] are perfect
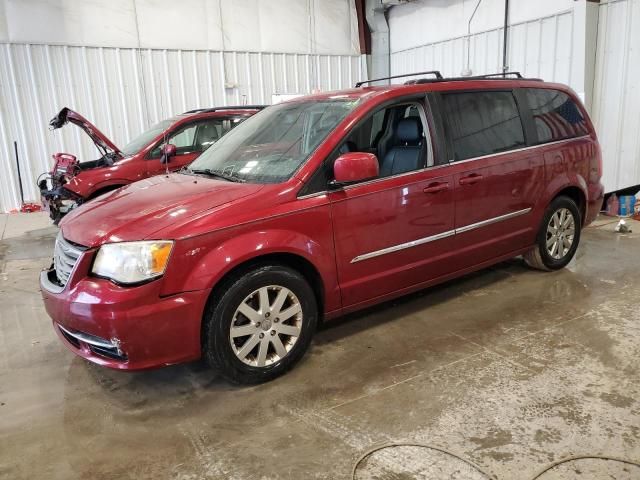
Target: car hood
[[66, 115], [140, 209]]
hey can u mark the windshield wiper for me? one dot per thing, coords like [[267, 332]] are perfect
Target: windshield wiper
[[215, 173]]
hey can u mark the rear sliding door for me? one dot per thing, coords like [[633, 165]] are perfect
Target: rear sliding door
[[498, 175]]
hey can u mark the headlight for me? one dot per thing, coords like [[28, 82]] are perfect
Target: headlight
[[132, 262]]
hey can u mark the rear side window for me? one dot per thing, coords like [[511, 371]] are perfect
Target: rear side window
[[555, 114], [482, 123]]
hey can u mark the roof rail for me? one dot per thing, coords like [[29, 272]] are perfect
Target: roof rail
[[489, 76], [229, 107], [435, 73], [502, 74]]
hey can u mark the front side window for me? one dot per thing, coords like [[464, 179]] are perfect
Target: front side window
[[396, 135], [482, 123], [555, 115], [270, 146], [195, 137]]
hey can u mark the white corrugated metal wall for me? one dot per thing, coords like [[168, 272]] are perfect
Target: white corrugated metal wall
[[537, 48], [124, 90], [616, 103]]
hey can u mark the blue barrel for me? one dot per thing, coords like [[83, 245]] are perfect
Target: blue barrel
[[627, 202]]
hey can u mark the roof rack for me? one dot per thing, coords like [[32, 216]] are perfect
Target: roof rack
[[436, 73], [440, 78], [229, 107], [489, 76]]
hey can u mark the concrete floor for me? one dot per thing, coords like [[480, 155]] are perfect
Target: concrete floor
[[510, 368]]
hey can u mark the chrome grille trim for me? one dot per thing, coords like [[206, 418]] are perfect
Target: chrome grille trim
[[90, 339], [65, 256], [97, 345]]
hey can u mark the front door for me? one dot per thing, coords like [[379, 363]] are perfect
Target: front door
[[395, 231]]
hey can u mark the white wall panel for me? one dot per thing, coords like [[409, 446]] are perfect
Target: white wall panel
[[428, 21], [124, 90], [300, 26], [537, 48], [616, 105]]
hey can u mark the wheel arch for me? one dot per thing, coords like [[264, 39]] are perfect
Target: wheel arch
[[292, 260], [576, 194]]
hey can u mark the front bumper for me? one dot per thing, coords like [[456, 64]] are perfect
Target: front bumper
[[127, 328]]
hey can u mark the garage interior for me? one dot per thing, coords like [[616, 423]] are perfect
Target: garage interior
[[499, 374]]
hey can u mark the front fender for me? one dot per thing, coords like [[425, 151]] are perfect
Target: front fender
[[196, 266]]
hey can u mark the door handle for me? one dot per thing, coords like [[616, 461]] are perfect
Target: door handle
[[436, 187], [471, 179]]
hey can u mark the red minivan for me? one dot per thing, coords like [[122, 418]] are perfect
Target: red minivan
[[168, 145], [317, 207]]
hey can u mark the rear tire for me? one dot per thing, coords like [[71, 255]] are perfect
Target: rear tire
[[260, 324], [558, 237]]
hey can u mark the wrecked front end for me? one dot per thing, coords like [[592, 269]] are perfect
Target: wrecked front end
[[56, 198], [55, 192]]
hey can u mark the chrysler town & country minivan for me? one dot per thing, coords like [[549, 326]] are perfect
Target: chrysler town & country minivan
[[317, 207]]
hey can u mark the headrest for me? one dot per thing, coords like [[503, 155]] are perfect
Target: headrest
[[409, 130]]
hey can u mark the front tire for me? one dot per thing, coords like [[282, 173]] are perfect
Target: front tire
[[558, 237], [261, 325]]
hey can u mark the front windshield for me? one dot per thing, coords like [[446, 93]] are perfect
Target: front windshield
[[142, 140], [270, 146]]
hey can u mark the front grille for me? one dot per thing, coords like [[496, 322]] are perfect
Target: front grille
[[65, 256]]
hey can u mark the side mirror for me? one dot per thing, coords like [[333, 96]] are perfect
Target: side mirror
[[354, 167], [168, 151]]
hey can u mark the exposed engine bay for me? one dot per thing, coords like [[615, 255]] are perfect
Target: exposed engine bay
[[57, 199]]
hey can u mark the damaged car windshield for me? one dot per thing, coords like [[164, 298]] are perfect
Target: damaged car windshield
[[142, 140], [270, 146]]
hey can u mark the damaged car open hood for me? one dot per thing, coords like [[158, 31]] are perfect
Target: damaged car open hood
[[100, 139]]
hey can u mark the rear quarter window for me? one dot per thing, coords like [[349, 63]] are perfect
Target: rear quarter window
[[482, 123], [555, 115]]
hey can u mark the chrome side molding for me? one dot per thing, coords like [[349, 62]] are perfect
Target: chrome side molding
[[402, 246], [489, 221], [439, 236]]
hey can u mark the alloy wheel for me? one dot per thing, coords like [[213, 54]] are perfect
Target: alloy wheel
[[560, 233], [266, 325]]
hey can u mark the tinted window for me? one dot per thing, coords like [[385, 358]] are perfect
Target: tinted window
[[555, 115], [482, 123]]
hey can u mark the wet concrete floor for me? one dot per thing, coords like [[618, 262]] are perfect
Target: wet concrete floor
[[497, 375]]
